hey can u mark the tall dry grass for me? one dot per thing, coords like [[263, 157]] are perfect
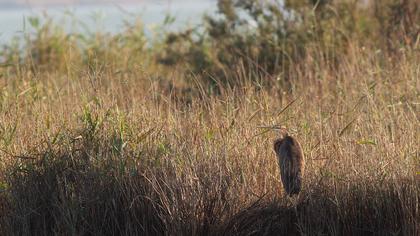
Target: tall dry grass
[[97, 137], [114, 150]]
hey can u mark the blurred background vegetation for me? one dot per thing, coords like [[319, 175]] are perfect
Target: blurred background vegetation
[[263, 38]]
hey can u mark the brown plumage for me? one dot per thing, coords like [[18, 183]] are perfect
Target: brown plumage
[[291, 161]]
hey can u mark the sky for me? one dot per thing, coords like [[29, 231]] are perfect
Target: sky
[[34, 3]]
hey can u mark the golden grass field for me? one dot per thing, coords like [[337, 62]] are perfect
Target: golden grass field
[[107, 151], [128, 147]]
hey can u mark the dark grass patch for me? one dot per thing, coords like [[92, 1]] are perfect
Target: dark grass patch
[[71, 194]]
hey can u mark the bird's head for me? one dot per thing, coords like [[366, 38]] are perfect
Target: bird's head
[[283, 131]]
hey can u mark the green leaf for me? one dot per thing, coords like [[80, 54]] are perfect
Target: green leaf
[[366, 142], [209, 135], [3, 186], [34, 22]]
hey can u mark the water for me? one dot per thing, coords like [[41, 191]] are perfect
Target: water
[[105, 18]]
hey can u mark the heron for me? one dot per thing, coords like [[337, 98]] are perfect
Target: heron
[[291, 161]]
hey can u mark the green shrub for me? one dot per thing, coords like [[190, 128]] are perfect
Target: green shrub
[[267, 37]]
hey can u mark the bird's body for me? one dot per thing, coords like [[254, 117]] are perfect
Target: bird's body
[[291, 162]]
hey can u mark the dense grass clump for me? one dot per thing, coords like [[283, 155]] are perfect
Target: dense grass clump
[[98, 137]]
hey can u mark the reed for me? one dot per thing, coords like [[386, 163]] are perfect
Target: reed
[[108, 141]]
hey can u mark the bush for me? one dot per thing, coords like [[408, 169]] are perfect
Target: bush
[[265, 38]]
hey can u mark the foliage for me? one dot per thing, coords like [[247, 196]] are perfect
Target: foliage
[[267, 37]]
